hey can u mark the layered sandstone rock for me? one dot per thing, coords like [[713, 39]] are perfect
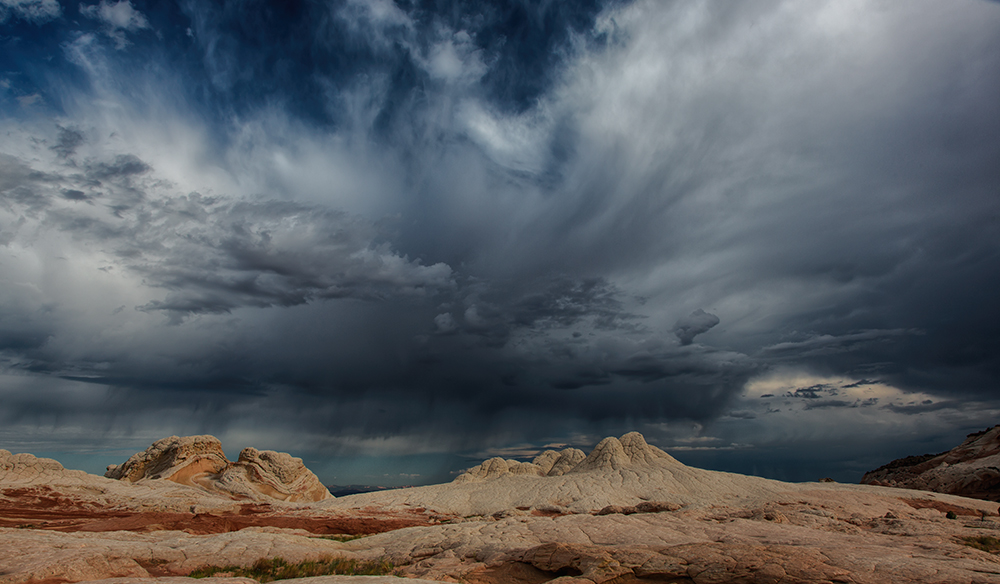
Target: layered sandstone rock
[[175, 459], [200, 462], [971, 469], [275, 474]]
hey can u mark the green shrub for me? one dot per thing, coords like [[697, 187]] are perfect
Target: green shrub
[[983, 542], [341, 537], [951, 515], [267, 570]]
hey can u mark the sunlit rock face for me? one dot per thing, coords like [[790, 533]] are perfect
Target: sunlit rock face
[[971, 469], [199, 461], [177, 459]]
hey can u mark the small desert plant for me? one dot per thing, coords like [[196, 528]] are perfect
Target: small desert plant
[[951, 515], [268, 570], [341, 537], [983, 542]]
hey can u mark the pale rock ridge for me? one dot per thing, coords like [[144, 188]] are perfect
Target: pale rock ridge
[[13, 462], [199, 461], [628, 451], [545, 461], [971, 469], [568, 459], [609, 454], [639, 451], [497, 467]]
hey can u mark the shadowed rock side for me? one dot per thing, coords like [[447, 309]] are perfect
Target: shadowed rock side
[[609, 454], [199, 461], [971, 469]]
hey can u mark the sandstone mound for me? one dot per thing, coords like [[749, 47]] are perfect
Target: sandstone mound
[[609, 454], [971, 469], [614, 454], [200, 462], [624, 472], [23, 465]]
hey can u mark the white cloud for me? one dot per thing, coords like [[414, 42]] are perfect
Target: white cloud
[[790, 406], [36, 11], [29, 100], [374, 21], [118, 19], [455, 59]]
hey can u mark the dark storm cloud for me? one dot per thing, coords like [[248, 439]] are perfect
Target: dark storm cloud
[[694, 324], [924, 407], [74, 195], [493, 312], [819, 345], [813, 392], [122, 167], [860, 383], [473, 222], [67, 142], [214, 255]]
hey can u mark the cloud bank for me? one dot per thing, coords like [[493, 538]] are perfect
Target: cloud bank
[[461, 227]]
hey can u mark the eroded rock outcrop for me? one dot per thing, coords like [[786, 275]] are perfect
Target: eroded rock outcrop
[[200, 462], [609, 454], [275, 474], [971, 469], [177, 459]]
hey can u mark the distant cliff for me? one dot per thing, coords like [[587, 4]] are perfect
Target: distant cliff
[[971, 469]]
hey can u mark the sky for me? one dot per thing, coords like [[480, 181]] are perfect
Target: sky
[[397, 237]]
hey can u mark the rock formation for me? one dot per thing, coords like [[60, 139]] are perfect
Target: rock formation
[[971, 469], [199, 461], [614, 454], [609, 454], [274, 474], [174, 459], [628, 513]]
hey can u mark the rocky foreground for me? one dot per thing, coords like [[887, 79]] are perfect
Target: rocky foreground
[[626, 513]]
